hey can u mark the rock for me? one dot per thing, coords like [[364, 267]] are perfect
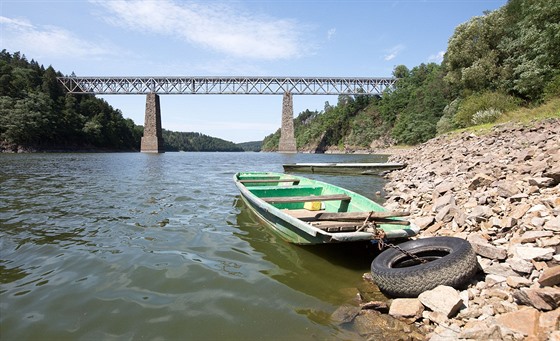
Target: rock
[[519, 211], [499, 293], [553, 224], [539, 210], [435, 316], [542, 182], [505, 189], [483, 248], [525, 321], [554, 174], [549, 323], [445, 213], [480, 213], [445, 333], [500, 269], [443, 201], [520, 265], [345, 314], [547, 298], [495, 279], [499, 191], [531, 236], [376, 305], [518, 282], [480, 180], [550, 276], [508, 222], [480, 330], [370, 324], [444, 187], [442, 299], [534, 253], [518, 197], [406, 309], [423, 222]]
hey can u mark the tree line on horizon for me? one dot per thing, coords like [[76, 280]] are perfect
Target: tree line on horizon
[[494, 63]]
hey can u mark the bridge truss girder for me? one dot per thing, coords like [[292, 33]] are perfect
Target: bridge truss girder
[[227, 85]]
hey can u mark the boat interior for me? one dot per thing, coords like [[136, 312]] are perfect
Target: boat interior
[[311, 203]]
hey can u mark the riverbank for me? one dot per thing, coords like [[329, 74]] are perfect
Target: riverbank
[[500, 191]]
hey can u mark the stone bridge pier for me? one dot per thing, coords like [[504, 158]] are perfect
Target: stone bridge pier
[[287, 142], [152, 141]]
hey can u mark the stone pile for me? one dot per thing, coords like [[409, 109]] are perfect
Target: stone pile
[[500, 190]]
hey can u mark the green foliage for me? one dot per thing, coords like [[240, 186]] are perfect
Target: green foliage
[[196, 142], [472, 57], [513, 50], [446, 122], [252, 146], [366, 127], [552, 89], [416, 105], [489, 102], [36, 112], [486, 116], [270, 142]]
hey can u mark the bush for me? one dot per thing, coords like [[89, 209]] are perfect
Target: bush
[[486, 116], [484, 102], [446, 122], [552, 89]]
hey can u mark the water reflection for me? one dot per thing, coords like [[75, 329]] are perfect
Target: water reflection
[[322, 271]]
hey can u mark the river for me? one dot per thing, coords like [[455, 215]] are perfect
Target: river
[[159, 246]]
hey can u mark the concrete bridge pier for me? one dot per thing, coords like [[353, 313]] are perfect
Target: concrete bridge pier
[[152, 141], [287, 142]]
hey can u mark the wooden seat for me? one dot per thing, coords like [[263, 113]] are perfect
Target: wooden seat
[[328, 197], [295, 181]]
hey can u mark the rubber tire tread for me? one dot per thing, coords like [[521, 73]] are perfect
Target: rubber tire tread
[[453, 269]]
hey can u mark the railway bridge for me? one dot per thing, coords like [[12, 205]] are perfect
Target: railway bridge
[[152, 87]]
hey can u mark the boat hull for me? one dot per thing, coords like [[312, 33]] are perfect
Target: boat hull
[[279, 216]]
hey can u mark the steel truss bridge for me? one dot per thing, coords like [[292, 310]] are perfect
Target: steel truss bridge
[[227, 85], [152, 87]]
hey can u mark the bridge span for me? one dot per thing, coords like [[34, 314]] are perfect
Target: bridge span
[[152, 87]]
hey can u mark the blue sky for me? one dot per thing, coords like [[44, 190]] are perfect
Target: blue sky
[[361, 38]]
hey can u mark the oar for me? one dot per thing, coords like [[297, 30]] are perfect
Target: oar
[[360, 215]]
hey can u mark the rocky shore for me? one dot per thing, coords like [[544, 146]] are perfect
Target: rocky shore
[[500, 190]]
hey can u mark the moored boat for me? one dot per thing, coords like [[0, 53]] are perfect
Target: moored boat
[[344, 168], [306, 211]]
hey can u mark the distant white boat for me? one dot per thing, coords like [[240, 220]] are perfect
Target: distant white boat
[[348, 168]]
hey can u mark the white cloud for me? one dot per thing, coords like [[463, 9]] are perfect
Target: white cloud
[[218, 27], [437, 58], [331, 33], [393, 52], [51, 41]]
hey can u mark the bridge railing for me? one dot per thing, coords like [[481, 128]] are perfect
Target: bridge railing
[[228, 85]]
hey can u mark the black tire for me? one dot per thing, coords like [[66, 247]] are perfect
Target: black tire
[[451, 261]]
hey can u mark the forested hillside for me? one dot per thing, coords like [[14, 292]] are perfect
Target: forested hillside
[[196, 142], [495, 63], [36, 114]]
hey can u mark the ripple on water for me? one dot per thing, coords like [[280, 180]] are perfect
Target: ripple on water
[[130, 246]]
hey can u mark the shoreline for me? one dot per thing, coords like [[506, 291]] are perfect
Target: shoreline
[[501, 192]]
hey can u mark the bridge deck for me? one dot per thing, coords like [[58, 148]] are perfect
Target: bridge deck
[[228, 85]]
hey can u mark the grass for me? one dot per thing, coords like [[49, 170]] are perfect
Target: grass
[[549, 109]]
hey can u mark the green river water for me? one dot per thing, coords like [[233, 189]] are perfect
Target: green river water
[[134, 246]]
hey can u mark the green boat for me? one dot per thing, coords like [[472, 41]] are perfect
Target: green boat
[[305, 211]]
